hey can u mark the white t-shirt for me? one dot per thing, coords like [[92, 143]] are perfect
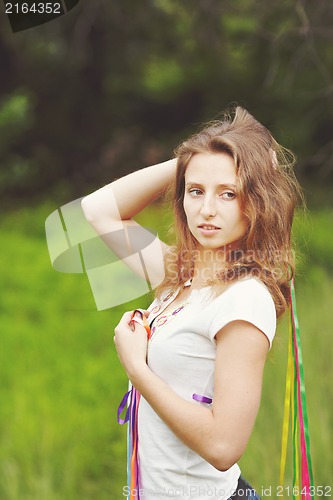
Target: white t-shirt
[[182, 353]]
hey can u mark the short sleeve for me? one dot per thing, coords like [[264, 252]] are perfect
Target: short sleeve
[[247, 300]]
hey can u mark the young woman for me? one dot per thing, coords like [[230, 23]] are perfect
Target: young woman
[[226, 281]]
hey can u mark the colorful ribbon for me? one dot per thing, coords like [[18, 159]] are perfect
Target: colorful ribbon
[[202, 399], [138, 316], [295, 398], [132, 399]]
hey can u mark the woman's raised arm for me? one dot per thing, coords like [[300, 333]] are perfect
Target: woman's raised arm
[[123, 198], [110, 210]]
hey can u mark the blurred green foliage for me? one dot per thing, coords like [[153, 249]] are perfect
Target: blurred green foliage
[[62, 381], [113, 86], [14, 113], [312, 239]]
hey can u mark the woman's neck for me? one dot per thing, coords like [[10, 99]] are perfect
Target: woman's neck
[[205, 273], [210, 262]]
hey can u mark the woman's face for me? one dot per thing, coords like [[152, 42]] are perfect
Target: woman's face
[[211, 203]]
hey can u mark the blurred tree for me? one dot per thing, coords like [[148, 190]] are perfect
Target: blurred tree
[[113, 86]]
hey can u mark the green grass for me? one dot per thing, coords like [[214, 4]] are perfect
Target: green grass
[[61, 381]]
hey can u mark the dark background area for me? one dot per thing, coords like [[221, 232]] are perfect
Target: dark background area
[[116, 85]]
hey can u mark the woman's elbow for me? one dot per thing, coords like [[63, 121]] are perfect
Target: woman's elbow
[[92, 212], [223, 465], [87, 208], [223, 457], [100, 209]]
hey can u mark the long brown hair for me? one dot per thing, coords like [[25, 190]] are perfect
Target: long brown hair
[[268, 191]]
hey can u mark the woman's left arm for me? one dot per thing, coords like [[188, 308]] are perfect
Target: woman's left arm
[[219, 434]]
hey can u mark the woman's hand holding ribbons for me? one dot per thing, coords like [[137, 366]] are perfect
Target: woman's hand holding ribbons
[[131, 339]]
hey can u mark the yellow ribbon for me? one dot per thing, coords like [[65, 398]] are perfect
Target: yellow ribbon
[[287, 398]]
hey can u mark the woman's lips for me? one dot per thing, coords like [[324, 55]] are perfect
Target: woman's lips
[[208, 229]]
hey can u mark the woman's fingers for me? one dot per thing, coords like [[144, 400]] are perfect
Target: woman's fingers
[[131, 343], [127, 317], [125, 320]]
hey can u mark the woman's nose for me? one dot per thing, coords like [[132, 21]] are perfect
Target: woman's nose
[[208, 208]]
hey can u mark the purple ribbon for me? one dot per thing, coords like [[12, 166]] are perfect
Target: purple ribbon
[[122, 405], [201, 399]]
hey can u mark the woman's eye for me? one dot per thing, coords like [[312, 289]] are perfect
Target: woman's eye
[[195, 192], [228, 195]]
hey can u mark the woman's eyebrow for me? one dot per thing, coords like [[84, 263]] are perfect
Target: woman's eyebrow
[[190, 183]]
